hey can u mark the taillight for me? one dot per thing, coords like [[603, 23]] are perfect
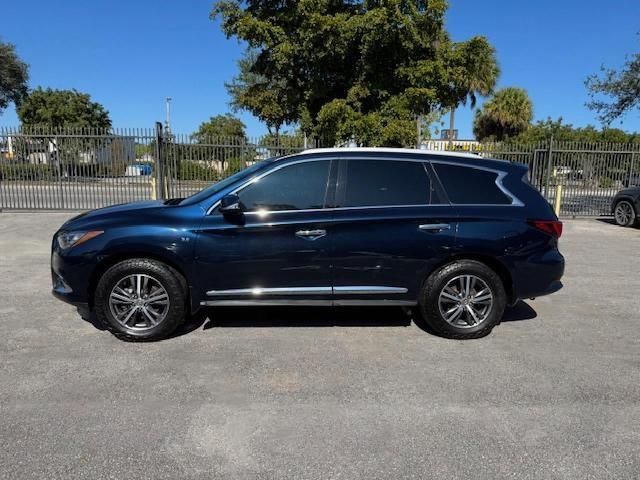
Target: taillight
[[552, 227]]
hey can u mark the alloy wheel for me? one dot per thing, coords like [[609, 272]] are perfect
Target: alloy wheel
[[623, 213], [139, 302], [465, 301]]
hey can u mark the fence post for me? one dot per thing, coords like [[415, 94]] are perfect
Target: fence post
[[58, 160], [633, 157], [557, 205], [549, 165], [159, 163]]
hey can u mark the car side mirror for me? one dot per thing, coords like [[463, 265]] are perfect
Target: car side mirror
[[230, 205]]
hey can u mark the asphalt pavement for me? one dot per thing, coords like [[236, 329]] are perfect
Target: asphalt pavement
[[308, 393]]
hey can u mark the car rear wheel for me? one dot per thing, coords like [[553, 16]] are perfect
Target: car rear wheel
[[462, 300], [624, 213], [140, 299]]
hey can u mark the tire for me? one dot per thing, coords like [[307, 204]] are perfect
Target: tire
[[625, 214], [156, 316], [474, 319]]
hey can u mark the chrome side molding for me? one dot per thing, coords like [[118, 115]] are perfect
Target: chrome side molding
[[258, 291], [346, 290], [368, 290], [270, 302]]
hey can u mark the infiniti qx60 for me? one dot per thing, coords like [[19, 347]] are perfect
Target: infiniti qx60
[[454, 236]]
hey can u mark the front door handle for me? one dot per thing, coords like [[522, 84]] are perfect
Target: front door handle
[[434, 227], [311, 234]]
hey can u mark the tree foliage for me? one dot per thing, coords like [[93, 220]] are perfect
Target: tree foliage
[[507, 114], [62, 108], [543, 130], [345, 69], [14, 74], [473, 72], [221, 126], [622, 87], [267, 99]]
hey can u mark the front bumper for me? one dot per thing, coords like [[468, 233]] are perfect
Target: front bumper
[[71, 277]]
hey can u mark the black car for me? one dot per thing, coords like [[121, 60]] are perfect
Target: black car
[[632, 180], [625, 206], [455, 235]]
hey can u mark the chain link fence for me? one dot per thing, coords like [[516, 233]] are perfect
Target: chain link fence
[[80, 169]]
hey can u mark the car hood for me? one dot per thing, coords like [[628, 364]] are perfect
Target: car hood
[[631, 191], [123, 211]]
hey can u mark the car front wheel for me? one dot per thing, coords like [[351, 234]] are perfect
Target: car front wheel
[[624, 214], [140, 299], [462, 300]]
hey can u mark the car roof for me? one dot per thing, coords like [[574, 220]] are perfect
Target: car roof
[[383, 152], [388, 150]]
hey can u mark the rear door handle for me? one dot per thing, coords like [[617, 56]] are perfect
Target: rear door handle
[[434, 227], [311, 234]]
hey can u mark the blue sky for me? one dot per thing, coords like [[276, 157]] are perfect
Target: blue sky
[[129, 55]]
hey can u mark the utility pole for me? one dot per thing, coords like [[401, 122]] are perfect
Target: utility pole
[[167, 122]]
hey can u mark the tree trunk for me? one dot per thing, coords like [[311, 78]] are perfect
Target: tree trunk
[[452, 119]]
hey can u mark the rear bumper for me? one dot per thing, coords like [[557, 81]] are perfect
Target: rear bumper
[[540, 274], [552, 288]]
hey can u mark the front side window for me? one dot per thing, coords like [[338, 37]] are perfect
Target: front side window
[[300, 186], [387, 183], [470, 186]]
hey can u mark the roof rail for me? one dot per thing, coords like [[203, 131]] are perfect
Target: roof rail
[[388, 150]]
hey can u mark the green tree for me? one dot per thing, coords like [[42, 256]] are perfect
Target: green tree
[[220, 139], [62, 108], [265, 98], [14, 74], [219, 127], [347, 70], [507, 114], [474, 72], [621, 86], [543, 130]]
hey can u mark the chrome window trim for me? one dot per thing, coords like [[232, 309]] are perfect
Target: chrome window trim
[[515, 201], [341, 290]]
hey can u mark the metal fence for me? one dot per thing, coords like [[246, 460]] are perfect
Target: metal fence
[[78, 169], [580, 178]]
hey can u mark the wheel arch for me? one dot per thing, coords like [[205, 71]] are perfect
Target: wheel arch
[[494, 264], [117, 257], [632, 201]]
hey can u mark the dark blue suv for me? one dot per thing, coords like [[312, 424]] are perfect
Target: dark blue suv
[[456, 236]]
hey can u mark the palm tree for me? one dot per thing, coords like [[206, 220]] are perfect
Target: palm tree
[[474, 72], [506, 115]]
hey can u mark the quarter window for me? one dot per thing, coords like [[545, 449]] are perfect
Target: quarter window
[[387, 182], [466, 185], [299, 186]]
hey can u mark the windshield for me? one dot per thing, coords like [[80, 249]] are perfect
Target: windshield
[[224, 183]]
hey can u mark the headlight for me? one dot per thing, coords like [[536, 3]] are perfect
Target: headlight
[[72, 239]]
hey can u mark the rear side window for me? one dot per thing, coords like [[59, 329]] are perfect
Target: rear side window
[[386, 182], [466, 185], [295, 187]]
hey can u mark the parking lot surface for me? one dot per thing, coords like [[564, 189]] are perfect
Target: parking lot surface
[[553, 392]]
